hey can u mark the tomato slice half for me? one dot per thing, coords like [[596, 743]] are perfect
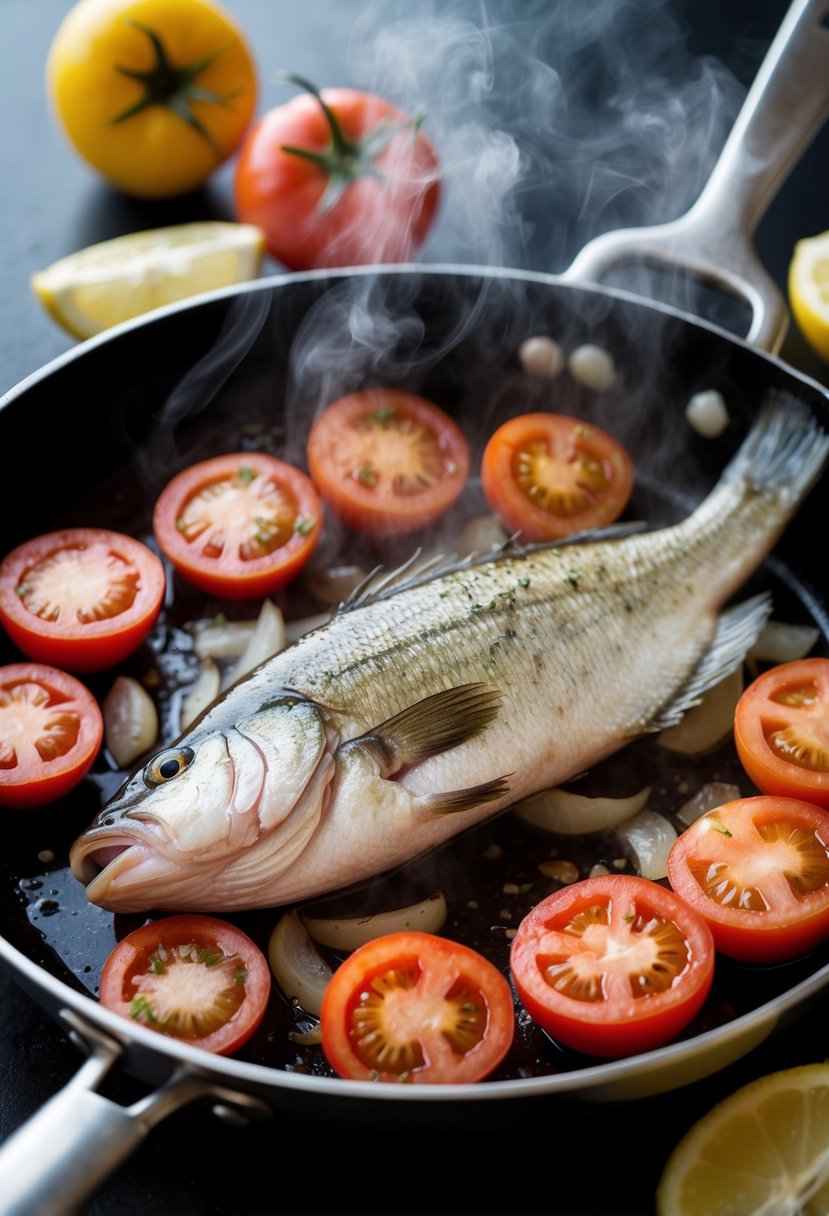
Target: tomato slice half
[[757, 869], [613, 965], [781, 729], [195, 978], [549, 475], [417, 1008], [50, 733], [82, 598], [240, 525], [388, 462]]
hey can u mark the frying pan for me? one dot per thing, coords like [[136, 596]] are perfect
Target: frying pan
[[231, 362]]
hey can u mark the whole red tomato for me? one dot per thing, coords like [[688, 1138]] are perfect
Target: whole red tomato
[[337, 178]]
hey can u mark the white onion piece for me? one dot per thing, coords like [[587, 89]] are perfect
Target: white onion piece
[[130, 720], [298, 967], [782, 643], [710, 796], [649, 837], [558, 810], [205, 690], [706, 412], [592, 366], [333, 584], [480, 535], [221, 640], [347, 933], [541, 356], [708, 723], [267, 639], [297, 629]]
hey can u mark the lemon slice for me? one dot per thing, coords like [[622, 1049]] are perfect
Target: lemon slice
[[763, 1151], [808, 286], [104, 284]]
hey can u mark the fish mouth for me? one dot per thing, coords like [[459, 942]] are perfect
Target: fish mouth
[[121, 860]]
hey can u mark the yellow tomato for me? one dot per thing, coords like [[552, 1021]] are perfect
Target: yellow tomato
[[154, 94]]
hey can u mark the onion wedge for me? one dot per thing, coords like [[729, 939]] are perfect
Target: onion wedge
[[267, 639], [204, 691], [298, 967], [649, 837], [780, 642], [130, 720], [220, 639], [709, 796], [709, 723], [347, 933], [558, 810]]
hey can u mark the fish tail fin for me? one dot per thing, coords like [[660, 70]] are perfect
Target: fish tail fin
[[737, 630], [786, 450]]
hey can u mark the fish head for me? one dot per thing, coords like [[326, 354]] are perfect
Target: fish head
[[172, 833]]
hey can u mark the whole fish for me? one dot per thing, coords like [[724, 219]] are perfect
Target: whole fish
[[427, 705]]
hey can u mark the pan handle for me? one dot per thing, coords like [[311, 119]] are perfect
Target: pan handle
[[783, 110], [59, 1158]]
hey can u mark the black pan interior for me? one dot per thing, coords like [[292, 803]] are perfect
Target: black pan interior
[[95, 438]]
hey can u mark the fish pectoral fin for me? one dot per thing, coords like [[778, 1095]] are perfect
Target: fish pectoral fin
[[737, 631], [429, 727], [464, 800]]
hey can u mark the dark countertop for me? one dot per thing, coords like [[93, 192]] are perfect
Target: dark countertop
[[193, 1165]]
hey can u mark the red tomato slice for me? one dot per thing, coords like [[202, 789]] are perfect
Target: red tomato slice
[[613, 965], [417, 1008], [238, 526], [548, 475], [757, 869], [194, 978], [388, 462], [364, 192], [82, 598], [781, 729], [50, 732]]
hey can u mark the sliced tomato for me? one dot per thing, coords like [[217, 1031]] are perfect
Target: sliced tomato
[[416, 1008], [239, 525], [388, 462], [194, 978], [757, 870], [613, 965], [50, 733], [549, 475], [781, 729], [82, 598]]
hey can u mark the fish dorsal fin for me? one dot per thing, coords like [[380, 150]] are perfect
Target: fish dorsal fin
[[737, 631], [420, 569]]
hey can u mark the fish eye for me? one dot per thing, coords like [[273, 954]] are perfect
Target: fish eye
[[167, 765]]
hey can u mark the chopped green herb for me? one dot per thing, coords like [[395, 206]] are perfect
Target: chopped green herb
[[246, 475], [573, 578], [240, 976], [525, 888], [157, 965], [629, 916], [209, 957], [524, 582], [386, 414], [23, 589], [304, 525], [404, 1077], [366, 475], [141, 1007], [720, 827]]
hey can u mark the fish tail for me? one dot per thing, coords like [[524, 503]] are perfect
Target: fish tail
[[784, 453]]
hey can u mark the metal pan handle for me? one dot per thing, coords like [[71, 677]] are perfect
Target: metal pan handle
[[60, 1157], [784, 109]]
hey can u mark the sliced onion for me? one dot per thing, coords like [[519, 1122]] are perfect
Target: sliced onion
[[221, 639], [130, 720], [649, 837], [267, 639], [480, 535], [708, 723], [333, 584], [558, 810], [712, 795], [783, 643], [347, 933], [204, 691], [298, 967]]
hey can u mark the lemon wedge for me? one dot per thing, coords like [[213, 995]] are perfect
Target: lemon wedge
[[764, 1149], [104, 284], [808, 286]]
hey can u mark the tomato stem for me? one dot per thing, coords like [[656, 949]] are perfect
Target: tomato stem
[[172, 86], [346, 160]]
